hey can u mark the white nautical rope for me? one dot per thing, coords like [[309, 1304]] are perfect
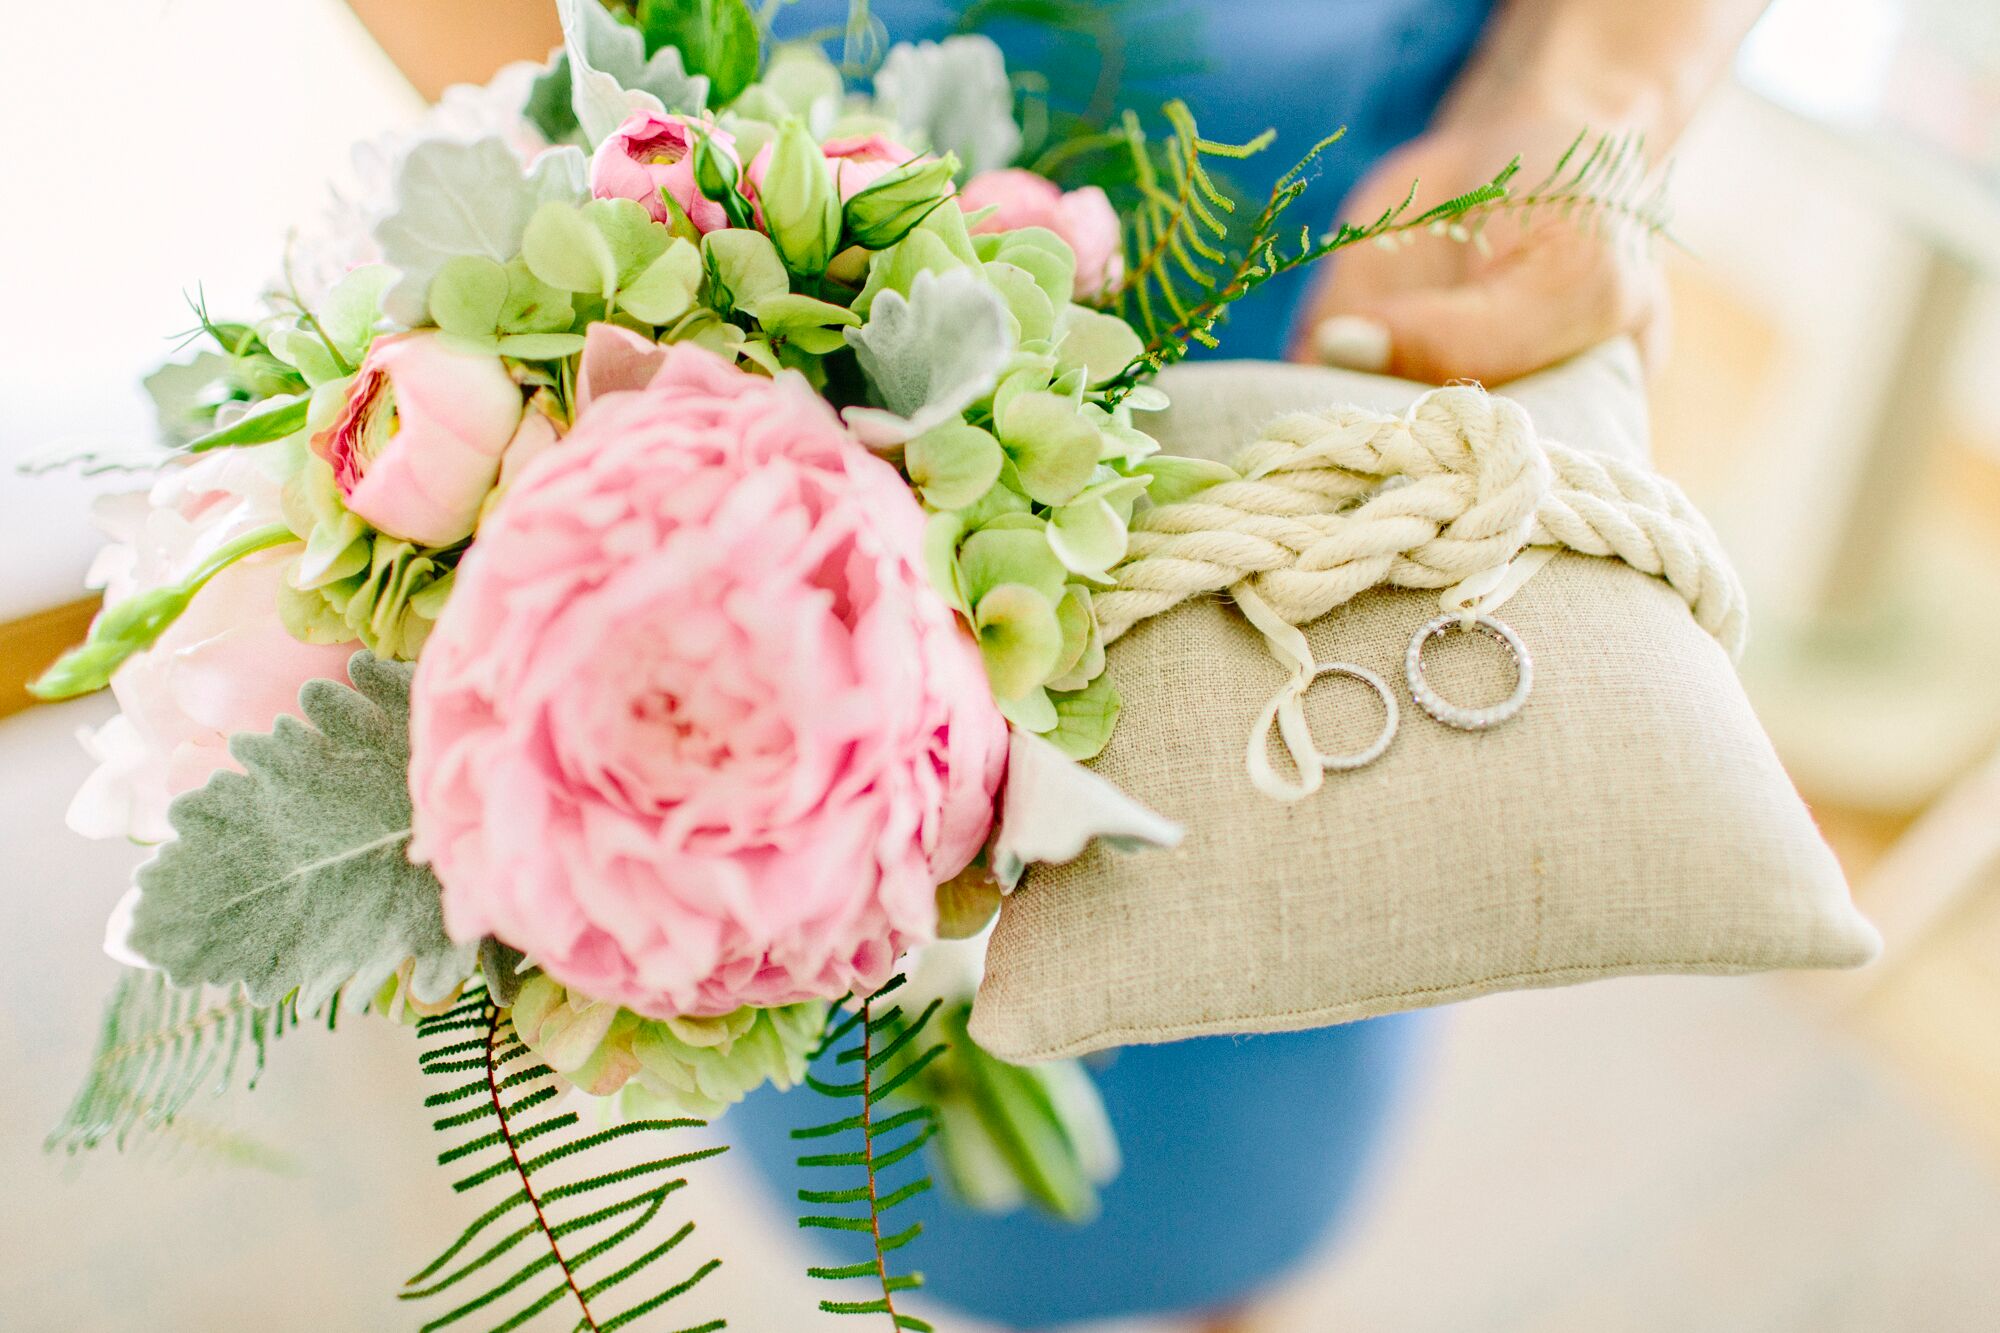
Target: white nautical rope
[[1448, 495]]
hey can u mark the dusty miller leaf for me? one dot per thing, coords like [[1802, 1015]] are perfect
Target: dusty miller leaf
[[465, 199], [955, 95], [294, 874], [941, 349], [610, 76]]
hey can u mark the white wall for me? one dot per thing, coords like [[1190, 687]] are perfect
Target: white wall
[[158, 145]]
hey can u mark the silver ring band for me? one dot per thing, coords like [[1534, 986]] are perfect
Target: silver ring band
[[1452, 715], [1340, 763]]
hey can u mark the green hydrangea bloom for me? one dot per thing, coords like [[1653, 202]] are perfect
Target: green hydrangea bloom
[[665, 1066]]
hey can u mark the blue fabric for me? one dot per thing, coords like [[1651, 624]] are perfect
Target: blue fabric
[[1242, 1154], [1301, 67]]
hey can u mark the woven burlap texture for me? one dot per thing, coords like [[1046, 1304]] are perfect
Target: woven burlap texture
[[1632, 819]]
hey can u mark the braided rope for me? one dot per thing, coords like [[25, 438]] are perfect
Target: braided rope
[[1336, 502]]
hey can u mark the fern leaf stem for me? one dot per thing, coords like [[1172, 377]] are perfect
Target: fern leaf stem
[[495, 1020], [868, 1149]]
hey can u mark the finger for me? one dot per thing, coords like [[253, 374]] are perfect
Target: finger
[[1511, 322], [1354, 281], [1548, 300], [1352, 342]]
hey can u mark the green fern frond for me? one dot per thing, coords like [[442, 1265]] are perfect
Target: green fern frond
[[1608, 187], [1613, 185], [502, 1095], [887, 1054], [158, 1048], [1179, 226]]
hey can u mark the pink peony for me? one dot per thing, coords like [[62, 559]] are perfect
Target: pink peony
[[1083, 218], [651, 152], [418, 444], [694, 731], [227, 665]]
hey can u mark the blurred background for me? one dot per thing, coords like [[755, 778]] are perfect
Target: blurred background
[[1810, 1153]]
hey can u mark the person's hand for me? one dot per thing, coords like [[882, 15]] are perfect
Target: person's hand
[[1542, 287]]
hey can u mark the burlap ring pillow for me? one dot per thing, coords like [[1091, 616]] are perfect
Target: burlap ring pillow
[[1632, 819]]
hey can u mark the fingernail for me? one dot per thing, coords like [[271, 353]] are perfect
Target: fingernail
[[1353, 342]]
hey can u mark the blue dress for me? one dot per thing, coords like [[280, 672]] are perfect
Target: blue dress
[[1242, 1154]]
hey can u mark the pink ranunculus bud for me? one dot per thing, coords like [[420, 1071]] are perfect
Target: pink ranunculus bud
[[652, 151], [695, 731], [1083, 218], [418, 444]]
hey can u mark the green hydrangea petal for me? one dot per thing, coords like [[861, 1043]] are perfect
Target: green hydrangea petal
[[674, 1066], [997, 555], [1088, 536], [1025, 299], [1086, 718], [468, 295], [953, 465], [1052, 445], [1100, 344], [1019, 638]]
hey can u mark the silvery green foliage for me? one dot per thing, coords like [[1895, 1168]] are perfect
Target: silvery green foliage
[[610, 76], [954, 94], [1055, 807], [178, 390], [294, 875], [933, 354], [465, 199]]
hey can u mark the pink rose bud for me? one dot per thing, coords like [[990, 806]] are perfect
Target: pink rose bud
[[418, 445], [652, 152], [856, 163], [859, 162], [1083, 218]]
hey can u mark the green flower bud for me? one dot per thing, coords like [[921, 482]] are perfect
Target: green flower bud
[[141, 618], [135, 624], [801, 206], [890, 209], [82, 670], [120, 631], [716, 172]]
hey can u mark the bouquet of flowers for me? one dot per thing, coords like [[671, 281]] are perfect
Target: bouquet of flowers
[[629, 592]]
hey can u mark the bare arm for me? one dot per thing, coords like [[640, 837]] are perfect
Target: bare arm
[[437, 43], [1642, 63], [1438, 310]]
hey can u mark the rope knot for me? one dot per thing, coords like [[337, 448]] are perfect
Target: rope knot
[[1443, 496]]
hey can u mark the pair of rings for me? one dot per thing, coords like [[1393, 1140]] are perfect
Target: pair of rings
[[1427, 697]]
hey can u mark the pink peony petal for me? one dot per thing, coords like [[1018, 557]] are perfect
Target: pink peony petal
[[694, 731], [614, 359]]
